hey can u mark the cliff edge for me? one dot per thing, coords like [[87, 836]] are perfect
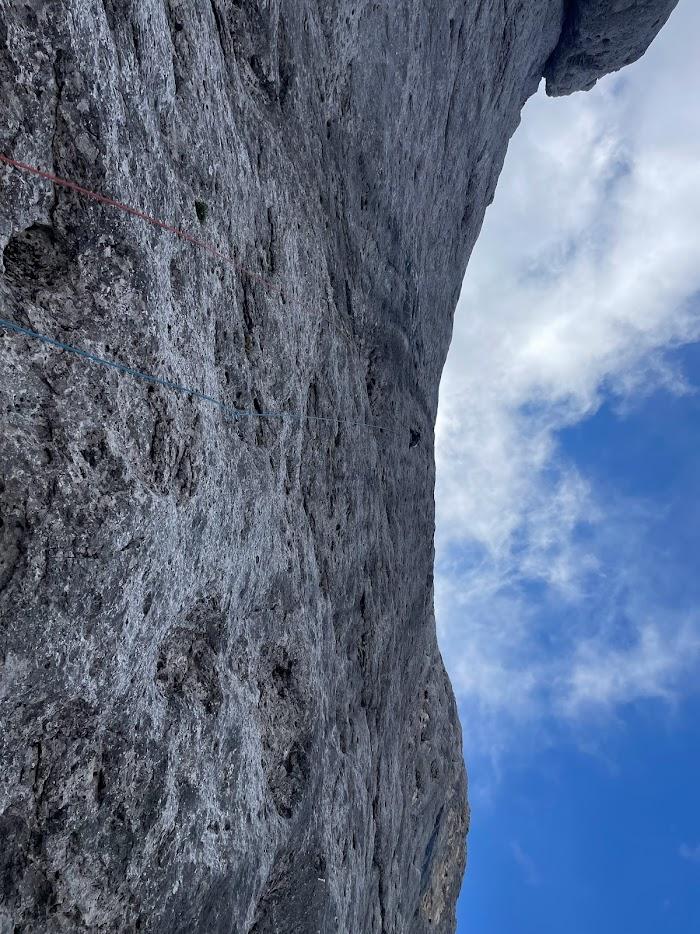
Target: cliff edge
[[223, 706]]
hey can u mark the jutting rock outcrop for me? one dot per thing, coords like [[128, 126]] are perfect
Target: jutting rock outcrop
[[600, 36], [223, 706]]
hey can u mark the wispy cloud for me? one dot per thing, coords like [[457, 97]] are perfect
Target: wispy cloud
[[526, 863], [691, 853], [586, 275]]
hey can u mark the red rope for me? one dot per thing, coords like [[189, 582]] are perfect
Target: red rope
[[103, 199]]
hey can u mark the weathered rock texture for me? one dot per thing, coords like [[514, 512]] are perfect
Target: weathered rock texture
[[223, 706], [600, 36]]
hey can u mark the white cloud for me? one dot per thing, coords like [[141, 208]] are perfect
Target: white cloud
[[602, 675], [586, 273]]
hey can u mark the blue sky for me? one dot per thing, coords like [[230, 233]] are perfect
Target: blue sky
[[576, 843], [568, 508], [596, 828]]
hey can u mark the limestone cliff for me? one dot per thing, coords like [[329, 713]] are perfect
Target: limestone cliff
[[223, 706]]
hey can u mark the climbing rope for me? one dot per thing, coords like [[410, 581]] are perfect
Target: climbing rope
[[227, 410], [140, 374], [119, 205]]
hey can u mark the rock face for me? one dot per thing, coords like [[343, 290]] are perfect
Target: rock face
[[223, 706], [600, 36]]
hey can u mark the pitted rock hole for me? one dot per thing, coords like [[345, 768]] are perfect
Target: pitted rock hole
[[284, 727], [187, 667]]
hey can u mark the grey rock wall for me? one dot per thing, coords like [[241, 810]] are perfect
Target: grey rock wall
[[600, 36], [223, 706]]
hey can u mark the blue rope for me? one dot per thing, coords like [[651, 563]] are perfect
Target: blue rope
[[185, 390]]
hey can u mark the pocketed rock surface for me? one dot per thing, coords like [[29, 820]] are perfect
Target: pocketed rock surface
[[223, 707]]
